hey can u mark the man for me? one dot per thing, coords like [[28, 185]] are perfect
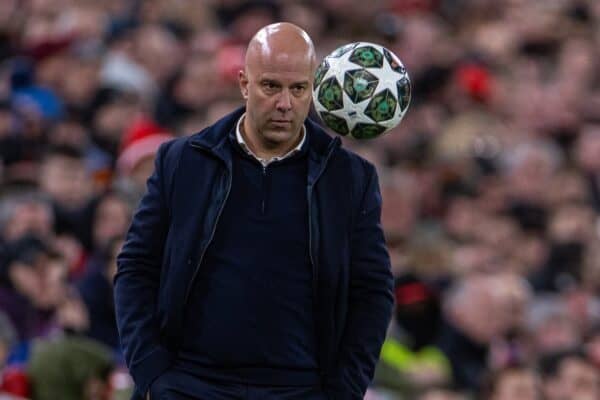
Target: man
[[255, 266], [467, 332]]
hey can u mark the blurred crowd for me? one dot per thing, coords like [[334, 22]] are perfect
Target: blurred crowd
[[491, 184]]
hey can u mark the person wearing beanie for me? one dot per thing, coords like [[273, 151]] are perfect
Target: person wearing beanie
[[70, 368], [140, 142], [136, 155], [255, 266]]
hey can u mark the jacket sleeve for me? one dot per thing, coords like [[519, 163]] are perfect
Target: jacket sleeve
[[370, 298], [137, 282]]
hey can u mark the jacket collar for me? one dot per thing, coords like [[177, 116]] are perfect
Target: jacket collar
[[214, 140], [321, 148], [214, 136]]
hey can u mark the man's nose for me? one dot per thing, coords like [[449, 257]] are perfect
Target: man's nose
[[284, 102]]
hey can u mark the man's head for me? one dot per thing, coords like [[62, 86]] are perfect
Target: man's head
[[473, 299], [111, 218], [35, 270], [441, 393], [514, 382], [23, 213], [65, 178], [570, 375], [277, 84]]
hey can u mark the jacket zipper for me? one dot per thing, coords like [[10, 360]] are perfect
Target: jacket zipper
[[212, 234], [264, 182], [310, 245]]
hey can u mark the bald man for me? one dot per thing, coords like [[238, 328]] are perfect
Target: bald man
[[255, 266]]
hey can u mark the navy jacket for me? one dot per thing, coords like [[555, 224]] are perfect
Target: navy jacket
[[174, 225]]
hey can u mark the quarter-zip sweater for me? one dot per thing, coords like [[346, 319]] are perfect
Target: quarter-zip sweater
[[250, 315]]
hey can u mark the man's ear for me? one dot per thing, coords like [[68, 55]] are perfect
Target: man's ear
[[243, 81]]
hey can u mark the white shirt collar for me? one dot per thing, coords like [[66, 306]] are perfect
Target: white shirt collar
[[265, 162]]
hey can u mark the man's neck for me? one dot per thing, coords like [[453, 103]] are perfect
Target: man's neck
[[263, 150]]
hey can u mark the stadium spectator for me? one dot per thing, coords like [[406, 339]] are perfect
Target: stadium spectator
[[514, 382]]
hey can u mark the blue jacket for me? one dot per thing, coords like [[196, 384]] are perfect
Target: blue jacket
[[175, 222]]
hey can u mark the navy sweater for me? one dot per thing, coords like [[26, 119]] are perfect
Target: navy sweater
[[250, 315]]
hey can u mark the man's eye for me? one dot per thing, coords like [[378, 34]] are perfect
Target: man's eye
[[298, 90], [270, 85]]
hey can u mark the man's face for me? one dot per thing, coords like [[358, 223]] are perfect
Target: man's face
[[580, 380], [29, 217], [277, 88], [521, 385], [112, 219], [441, 395], [25, 280], [66, 180], [53, 279]]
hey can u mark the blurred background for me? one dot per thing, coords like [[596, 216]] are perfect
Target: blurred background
[[491, 184]]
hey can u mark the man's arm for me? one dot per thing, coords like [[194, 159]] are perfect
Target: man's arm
[[370, 299], [137, 282]]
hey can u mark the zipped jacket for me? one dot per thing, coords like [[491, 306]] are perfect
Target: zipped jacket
[[175, 223]]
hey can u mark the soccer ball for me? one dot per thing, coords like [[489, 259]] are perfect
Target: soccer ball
[[361, 89]]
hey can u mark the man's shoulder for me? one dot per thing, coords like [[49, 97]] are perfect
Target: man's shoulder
[[171, 150], [323, 139], [357, 161], [216, 133], [357, 167]]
